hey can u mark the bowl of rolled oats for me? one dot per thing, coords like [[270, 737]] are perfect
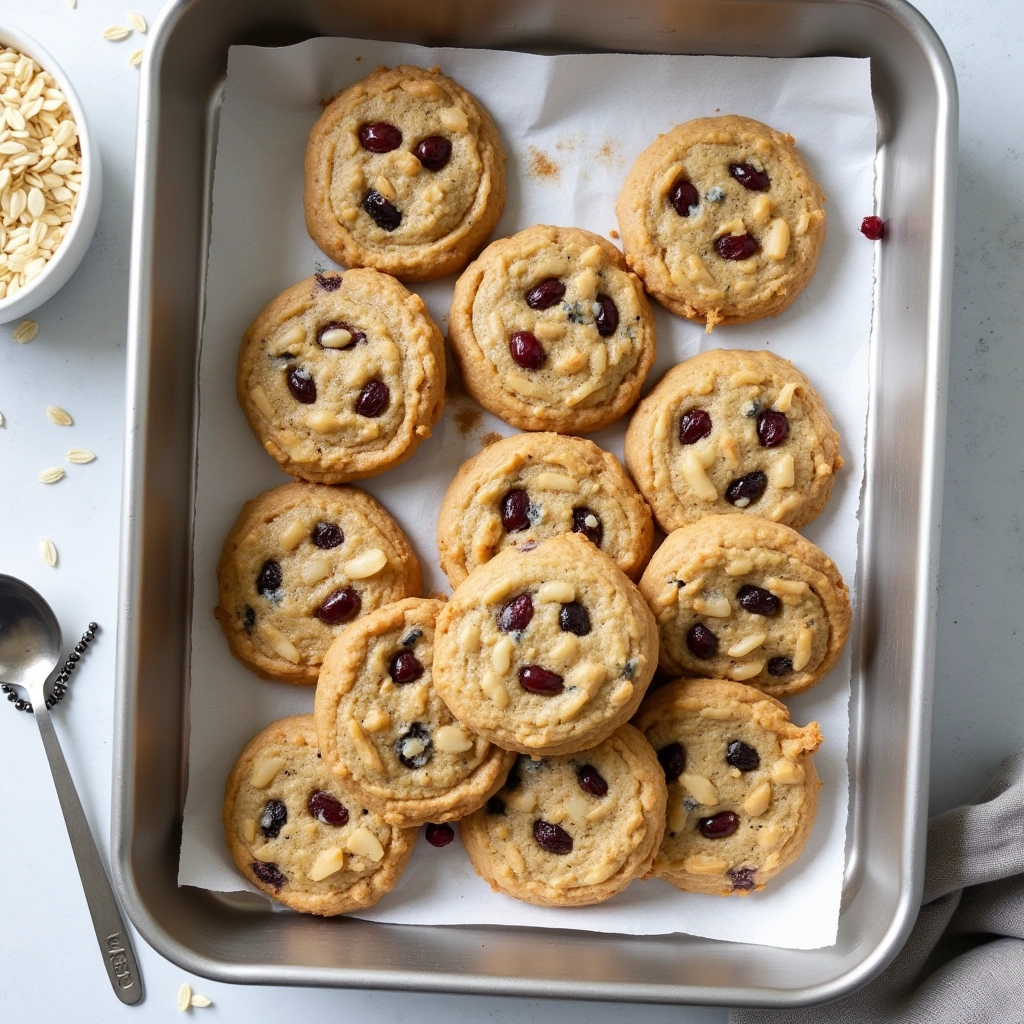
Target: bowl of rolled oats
[[50, 176]]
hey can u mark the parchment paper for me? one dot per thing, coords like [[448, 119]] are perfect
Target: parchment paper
[[571, 126]]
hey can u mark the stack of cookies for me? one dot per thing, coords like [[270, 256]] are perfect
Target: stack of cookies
[[519, 707]]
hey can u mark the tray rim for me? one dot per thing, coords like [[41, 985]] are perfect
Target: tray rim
[[915, 784]]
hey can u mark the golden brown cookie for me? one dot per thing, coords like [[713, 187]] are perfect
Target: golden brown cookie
[[300, 563], [387, 735], [742, 790], [298, 835], [741, 598], [533, 486], [730, 431], [546, 649], [342, 376], [722, 220], [574, 830], [552, 331], [404, 173]]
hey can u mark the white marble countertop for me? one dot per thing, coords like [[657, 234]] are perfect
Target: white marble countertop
[[51, 964]]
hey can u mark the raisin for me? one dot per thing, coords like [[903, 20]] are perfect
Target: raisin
[[552, 838], [743, 756]]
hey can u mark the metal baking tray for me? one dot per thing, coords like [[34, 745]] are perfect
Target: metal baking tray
[[238, 940]]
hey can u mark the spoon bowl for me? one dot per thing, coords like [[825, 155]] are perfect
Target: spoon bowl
[[30, 638], [30, 649]]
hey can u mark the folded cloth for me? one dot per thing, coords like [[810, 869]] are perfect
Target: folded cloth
[[964, 960]]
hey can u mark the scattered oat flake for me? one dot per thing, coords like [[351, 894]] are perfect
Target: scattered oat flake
[[48, 551], [80, 456], [26, 331], [137, 21], [116, 33], [51, 476], [72, 4], [201, 1001], [2, 421], [136, 58], [184, 997], [59, 416]]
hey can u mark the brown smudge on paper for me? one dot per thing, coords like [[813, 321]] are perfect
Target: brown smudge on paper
[[454, 390], [541, 166], [467, 419], [491, 437], [466, 414], [608, 153]]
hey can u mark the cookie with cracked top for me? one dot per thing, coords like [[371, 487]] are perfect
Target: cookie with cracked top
[[574, 830], [730, 431], [529, 487], [551, 330], [300, 563], [742, 598], [404, 173], [742, 789], [298, 835], [545, 649], [722, 220], [385, 732], [342, 376]]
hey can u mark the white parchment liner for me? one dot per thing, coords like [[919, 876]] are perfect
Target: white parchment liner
[[571, 126]]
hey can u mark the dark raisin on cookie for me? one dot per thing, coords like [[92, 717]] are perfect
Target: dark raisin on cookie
[[273, 819], [535, 679], [718, 826], [552, 838], [516, 614], [340, 606], [414, 748], [746, 490], [381, 212], [701, 641], [587, 522], [743, 756], [694, 426]]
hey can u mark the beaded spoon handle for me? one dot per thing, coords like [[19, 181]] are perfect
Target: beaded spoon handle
[[30, 649]]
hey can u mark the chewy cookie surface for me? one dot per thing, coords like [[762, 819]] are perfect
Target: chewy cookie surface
[[545, 650], [529, 487], [384, 731], [342, 376], [722, 220], [404, 173], [737, 597], [575, 830], [300, 563], [730, 431], [298, 835], [551, 330], [742, 790]]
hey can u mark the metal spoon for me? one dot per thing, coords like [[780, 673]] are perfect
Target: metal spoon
[[30, 649]]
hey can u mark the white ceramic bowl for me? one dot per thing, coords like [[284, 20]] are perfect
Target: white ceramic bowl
[[69, 253]]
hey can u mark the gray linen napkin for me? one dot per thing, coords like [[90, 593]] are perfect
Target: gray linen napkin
[[964, 960]]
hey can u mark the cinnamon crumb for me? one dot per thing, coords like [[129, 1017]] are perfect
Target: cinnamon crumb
[[542, 166], [453, 387], [613, 233], [467, 420], [491, 437], [608, 153]]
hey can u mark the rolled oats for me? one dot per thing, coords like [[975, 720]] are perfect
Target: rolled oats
[[40, 170]]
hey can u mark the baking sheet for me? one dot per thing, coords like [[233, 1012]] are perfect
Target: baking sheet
[[571, 126]]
